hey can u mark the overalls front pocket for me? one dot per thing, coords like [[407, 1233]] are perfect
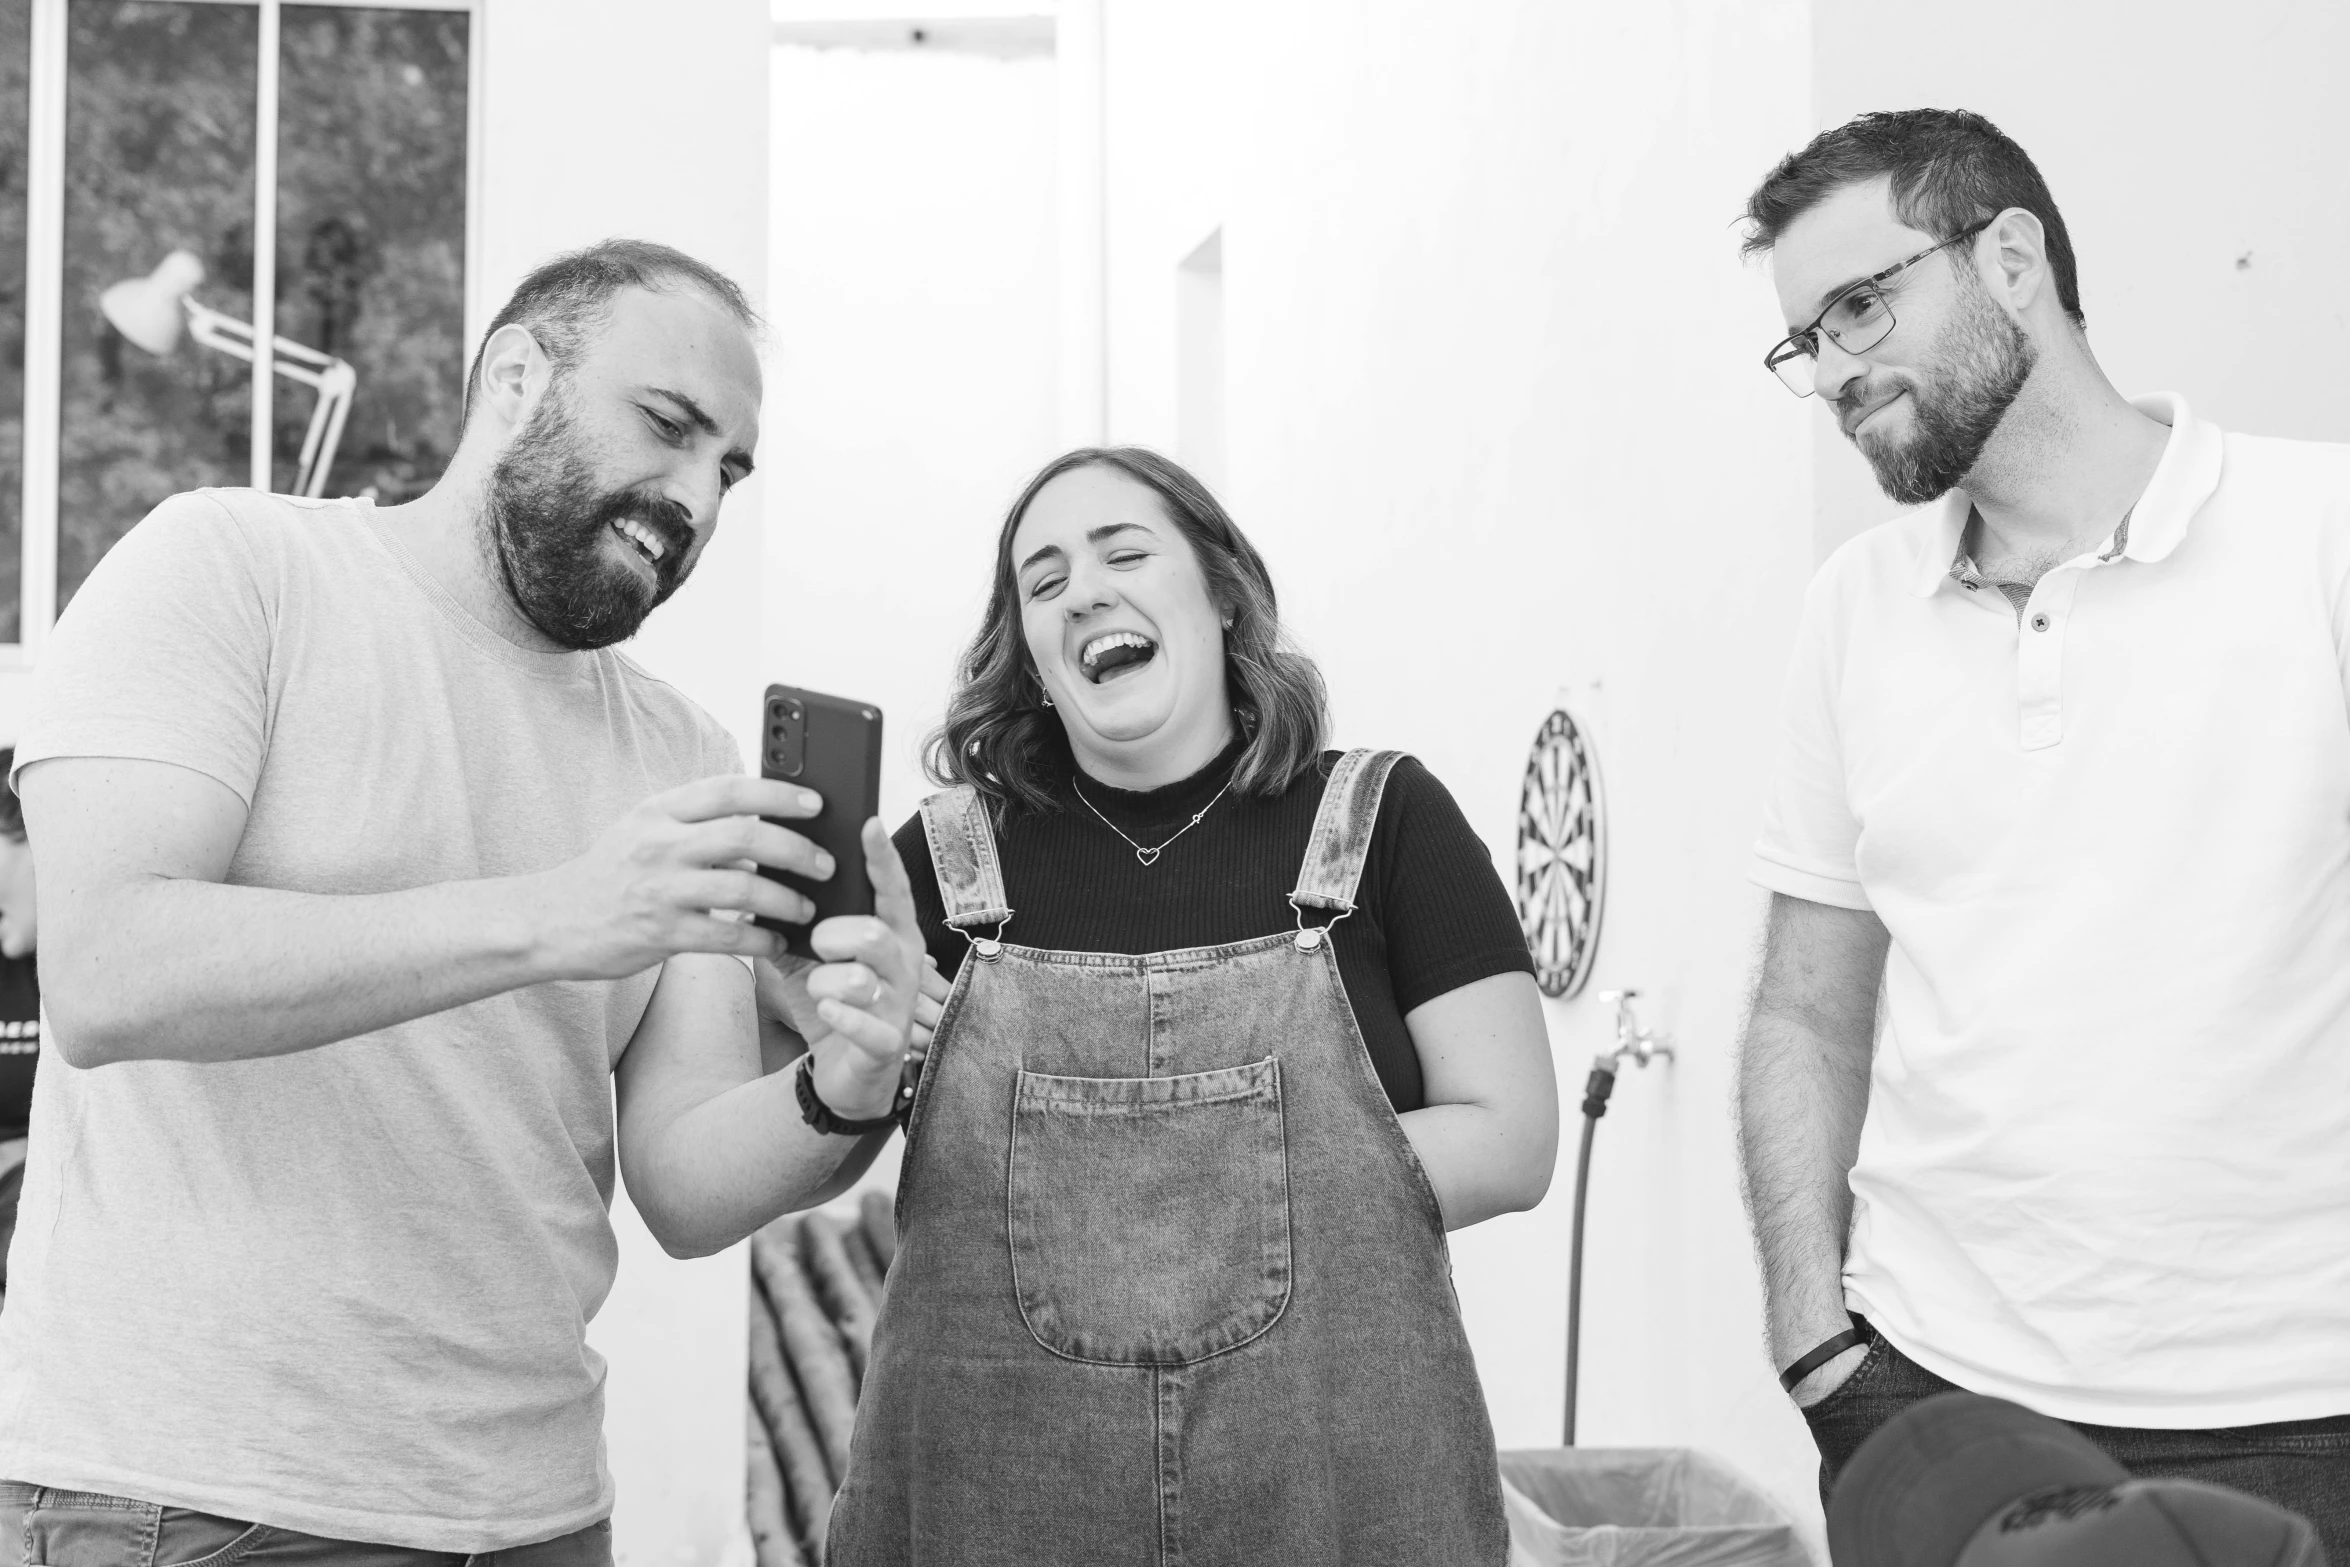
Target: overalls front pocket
[[1149, 1216]]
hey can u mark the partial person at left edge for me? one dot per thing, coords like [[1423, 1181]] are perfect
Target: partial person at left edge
[[372, 877], [20, 1004]]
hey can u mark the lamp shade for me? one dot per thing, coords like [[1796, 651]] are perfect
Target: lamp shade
[[147, 310]]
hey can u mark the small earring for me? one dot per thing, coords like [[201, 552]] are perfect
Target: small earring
[[1048, 699], [1227, 622]]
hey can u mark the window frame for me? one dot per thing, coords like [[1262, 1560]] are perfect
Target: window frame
[[45, 270]]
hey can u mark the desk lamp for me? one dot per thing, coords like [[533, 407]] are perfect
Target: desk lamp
[[152, 311]]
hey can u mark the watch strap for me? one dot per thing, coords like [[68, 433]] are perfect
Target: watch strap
[[819, 1115], [1820, 1354]]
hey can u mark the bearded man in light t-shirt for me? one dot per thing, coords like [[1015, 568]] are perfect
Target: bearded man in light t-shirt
[[2065, 779], [371, 876]]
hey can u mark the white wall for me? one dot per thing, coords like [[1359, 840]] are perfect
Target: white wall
[[1494, 419], [913, 241], [606, 117], [2201, 159]]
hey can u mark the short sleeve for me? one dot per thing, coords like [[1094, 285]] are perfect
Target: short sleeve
[[163, 655], [1447, 919], [1809, 834]]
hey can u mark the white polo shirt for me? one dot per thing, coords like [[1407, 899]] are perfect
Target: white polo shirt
[[2106, 1166]]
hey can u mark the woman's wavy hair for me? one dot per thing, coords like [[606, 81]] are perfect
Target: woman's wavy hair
[[1000, 739], [11, 808]]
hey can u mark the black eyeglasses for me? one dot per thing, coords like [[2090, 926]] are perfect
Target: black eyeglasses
[[1856, 320]]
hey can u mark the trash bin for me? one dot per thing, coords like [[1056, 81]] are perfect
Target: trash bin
[[1640, 1507]]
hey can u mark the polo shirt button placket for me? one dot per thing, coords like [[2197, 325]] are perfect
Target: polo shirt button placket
[[2040, 661]]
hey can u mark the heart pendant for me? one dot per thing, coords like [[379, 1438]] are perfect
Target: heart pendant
[[1147, 856]]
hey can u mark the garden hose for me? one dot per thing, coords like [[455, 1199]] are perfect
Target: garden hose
[[1596, 1089]]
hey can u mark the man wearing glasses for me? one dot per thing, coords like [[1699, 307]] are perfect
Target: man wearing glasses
[[2066, 782]]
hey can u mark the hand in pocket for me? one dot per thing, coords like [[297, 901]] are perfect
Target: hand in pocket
[[1827, 1379]]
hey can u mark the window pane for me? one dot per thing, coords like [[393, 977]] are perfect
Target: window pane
[[371, 237], [16, 43], [159, 107]]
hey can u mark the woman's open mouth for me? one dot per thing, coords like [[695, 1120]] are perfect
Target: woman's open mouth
[[1116, 653]]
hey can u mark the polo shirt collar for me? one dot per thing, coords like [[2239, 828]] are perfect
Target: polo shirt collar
[[2185, 478], [1941, 546]]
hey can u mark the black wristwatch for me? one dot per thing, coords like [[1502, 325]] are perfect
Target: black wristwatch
[[819, 1115]]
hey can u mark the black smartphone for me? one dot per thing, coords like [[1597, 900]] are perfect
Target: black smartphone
[[831, 744]]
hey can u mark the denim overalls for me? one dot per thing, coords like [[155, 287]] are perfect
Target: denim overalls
[[1171, 1287]]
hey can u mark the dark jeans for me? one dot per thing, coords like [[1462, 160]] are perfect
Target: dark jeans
[[2302, 1465], [41, 1527]]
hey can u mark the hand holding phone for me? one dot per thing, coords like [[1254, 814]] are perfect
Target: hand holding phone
[[667, 878], [860, 1011], [832, 745]]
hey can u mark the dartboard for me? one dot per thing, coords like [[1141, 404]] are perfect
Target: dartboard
[[1562, 856]]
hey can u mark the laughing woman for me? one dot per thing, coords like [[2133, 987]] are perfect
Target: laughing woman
[[1239, 1029]]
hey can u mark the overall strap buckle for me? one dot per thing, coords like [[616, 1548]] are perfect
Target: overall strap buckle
[[1340, 840], [1309, 938], [970, 876], [985, 948]]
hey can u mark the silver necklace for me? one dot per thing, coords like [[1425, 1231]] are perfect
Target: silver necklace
[[1150, 855]]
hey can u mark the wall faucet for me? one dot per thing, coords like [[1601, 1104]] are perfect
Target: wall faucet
[[1633, 1038]]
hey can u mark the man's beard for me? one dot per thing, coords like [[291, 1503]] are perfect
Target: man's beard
[[1957, 403], [548, 522]]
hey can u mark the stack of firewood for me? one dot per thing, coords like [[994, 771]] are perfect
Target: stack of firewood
[[815, 1293]]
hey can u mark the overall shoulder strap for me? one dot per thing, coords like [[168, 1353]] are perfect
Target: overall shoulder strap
[[963, 853], [1342, 831]]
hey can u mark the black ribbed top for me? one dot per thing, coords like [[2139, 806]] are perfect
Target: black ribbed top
[[1431, 915]]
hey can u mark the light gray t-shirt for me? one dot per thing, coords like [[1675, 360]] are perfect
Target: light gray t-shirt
[[341, 1291]]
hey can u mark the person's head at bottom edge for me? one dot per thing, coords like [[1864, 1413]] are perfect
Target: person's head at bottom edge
[[1960, 1480]]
